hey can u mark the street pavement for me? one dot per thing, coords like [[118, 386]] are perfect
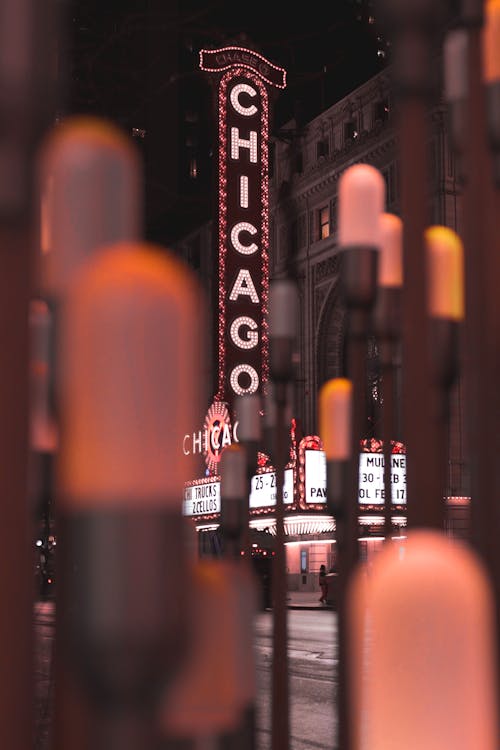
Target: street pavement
[[311, 662], [44, 633]]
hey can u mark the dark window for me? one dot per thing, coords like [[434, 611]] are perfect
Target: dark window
[[380, 111], [321, 148], [350, 132]]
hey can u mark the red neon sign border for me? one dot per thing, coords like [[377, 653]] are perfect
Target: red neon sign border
[[264, 250]]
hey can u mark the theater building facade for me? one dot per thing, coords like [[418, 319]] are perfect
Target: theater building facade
[[294, 230]]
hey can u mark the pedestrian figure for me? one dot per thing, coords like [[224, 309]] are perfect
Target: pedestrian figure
[[323, 584]]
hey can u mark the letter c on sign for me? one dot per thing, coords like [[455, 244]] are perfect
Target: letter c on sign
[[214, 438], [235, 99], [243, 226]]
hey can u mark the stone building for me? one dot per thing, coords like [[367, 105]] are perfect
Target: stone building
[[306, 163]]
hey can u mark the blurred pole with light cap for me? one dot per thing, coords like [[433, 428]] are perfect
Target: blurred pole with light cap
[[387, 328], [89, 195], [28, 95], [283, 326], [335, 429], [131, 343]]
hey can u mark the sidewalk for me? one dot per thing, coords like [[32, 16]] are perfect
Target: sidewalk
[[305, 600]]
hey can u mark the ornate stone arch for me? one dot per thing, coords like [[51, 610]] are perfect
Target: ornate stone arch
[[329, 338]]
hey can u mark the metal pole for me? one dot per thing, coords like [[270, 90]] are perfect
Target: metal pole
[[482, 280], [361, 203], [27, 95], [336, 425], [387, 316], [282, 332], [77, 160], [414, 28], [123, 409]]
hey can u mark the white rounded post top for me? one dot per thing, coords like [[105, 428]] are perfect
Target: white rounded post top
[[361, 201]]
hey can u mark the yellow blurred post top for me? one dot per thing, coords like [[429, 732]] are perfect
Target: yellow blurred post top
[[335, 414], [446, 273], [390, 266], [491, 41]]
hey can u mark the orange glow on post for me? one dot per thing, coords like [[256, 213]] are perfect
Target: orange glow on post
[[131, 354], [446, 273], [335, 398], [390, 265], [491, 41], [422, 655]]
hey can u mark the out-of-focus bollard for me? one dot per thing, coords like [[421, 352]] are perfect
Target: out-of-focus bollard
[[423, 656], [130, 349], [387, 326], [283, 326], [90, 192], [89, 185], [211, 692], [445, 295], [234, 527], [335, 426], [43, 430], [361, 204]]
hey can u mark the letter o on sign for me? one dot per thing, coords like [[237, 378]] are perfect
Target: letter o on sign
[[235, 380]]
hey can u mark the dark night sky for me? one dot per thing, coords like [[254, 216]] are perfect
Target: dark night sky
[[327, 51], [136, 62]]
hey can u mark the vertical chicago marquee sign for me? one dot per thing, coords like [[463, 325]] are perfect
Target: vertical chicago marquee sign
[[243, 231]]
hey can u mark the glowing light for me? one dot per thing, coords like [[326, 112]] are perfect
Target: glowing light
[[244, 285], [252, 336], [234, 98], [246, 59], [217, 426], [243, 226], [446, 273], [244, 191], [250, 144], [310, 442], [235, 383]]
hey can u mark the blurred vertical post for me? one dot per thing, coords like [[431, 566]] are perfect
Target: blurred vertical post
[[481, 21], [422, 662], [248, 410], [414, 28], [28, 39], [361, 203], [446, 310], [282, 340], [335, 424], [387, 326], [130, 347], [89, 186], [472, 78], [234, 526]]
